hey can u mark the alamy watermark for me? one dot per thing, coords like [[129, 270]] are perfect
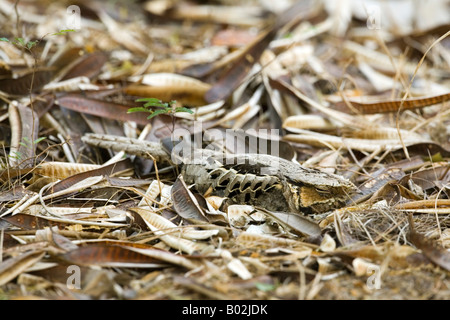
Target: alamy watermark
[[73, 18], [373, 21], [74, 280], [374, 279]]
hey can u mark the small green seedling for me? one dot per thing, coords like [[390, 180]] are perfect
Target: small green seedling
[[26, 141], [162, 107], [28, 45]]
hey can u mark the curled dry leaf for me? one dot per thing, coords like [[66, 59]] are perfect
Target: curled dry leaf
[[306, 121], [241, 215], [215, 201], [363, 267], [235, 265], [429, 177], [72, 180], [328, 244], [153, 191], [24, 134], [380, 179], [294, 222], [164, 229], [184, 202], [62, 170], [157, 222], [171, 80]]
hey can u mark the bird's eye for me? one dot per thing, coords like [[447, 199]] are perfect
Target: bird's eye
[[323, 190]]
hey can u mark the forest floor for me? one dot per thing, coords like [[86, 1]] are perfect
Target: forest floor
[[96, 97]]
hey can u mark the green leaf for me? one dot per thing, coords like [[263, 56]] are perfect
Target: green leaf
[[31, 44], [157, 112], [264, 286], [152, 100], [21, 41], [4, 39], [16, 155], [63, 32], [183, 109], [138, 109], [159, 105], [39, 140], [437, 157]]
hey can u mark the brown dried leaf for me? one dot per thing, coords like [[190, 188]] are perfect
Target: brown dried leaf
[[391, 106], [379, 180], [185, 203], [102, 171], [234, 76], [21, 86], [430, 249], [109, 255], [427, 178], [62, 170], [24, 131], [32, 222], [11, 268], [15, 193], [43, 103], [295, 222], [100, 108], [89, 65], [193, 96]]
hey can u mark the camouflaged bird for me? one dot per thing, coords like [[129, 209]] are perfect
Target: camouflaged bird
[[269, 182]]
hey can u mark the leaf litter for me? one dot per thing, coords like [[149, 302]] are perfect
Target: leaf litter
[[84, 182]]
